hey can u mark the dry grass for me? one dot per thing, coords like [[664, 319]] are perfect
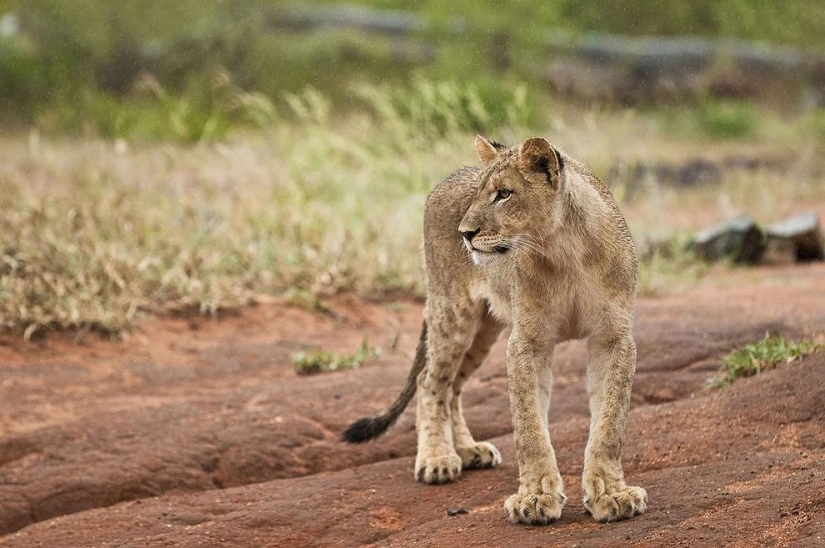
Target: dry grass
[[94, 233], [95, 236]]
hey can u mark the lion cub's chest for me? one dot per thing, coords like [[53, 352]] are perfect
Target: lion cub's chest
[[562, 305], [499, 304]]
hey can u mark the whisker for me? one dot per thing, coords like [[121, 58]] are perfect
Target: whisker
[[539, 243], [529, 242], [526, 243], [466, 253]]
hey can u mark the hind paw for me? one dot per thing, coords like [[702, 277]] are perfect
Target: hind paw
[[441, 469], [480, 455]]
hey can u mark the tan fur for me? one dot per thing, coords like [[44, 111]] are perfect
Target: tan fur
[[555, 261]]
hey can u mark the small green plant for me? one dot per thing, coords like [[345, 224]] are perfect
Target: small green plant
[[761, 356], [324, 361]]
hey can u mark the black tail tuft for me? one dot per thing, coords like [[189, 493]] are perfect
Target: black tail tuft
[[370, 428], [367, 428]]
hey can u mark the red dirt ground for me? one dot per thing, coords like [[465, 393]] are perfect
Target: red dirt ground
[[195, 432]]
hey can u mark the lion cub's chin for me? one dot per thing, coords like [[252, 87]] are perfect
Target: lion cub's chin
[[483, 257]]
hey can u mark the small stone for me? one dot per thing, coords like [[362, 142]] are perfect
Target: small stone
[[456, 511]]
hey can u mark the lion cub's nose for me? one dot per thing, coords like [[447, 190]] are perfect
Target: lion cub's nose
[[470, 234]]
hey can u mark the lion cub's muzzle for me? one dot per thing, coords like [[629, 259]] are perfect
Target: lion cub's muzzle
[[476, 241]]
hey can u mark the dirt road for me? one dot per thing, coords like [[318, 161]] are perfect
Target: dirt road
[[199, 433]]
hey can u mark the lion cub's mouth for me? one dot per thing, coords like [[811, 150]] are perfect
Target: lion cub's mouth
[[499, 250]]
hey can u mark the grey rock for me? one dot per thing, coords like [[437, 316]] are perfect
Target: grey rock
[[803, 233], [739, 239]]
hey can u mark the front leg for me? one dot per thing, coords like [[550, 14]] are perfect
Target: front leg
[[609, 380], [540, 498]]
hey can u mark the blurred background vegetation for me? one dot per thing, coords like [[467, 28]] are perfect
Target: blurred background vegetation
[[161, 155], [189, 69]]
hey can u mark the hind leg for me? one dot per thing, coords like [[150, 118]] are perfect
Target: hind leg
[[473, 454], [452, 326]]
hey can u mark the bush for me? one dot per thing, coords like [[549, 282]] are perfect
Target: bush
[[205, 111], [726, 119]]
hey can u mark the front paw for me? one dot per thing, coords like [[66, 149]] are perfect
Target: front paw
[[480, 455], [535, 509], [616, 505], [440, 469]]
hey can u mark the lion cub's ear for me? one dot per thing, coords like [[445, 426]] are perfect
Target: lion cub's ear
[[537, 158], [485, 150]]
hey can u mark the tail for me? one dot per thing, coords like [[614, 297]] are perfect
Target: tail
[[369, 428]]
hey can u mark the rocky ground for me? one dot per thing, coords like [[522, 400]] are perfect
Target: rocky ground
[[195, 432]]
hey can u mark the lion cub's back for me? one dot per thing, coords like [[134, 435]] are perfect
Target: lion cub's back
[[451, 198], [445, 207], [448, 202]]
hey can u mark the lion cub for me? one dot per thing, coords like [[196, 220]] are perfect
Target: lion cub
[[534, 241]]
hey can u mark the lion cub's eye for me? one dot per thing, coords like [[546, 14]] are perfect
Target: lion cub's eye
[[503, 194]]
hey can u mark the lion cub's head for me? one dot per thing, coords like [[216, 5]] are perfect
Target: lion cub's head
[[518, 203]]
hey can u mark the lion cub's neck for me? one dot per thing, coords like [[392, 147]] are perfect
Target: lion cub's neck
[[582, 219]]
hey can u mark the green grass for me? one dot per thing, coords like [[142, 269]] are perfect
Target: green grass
[[762, 355], [437, 108], [71, 54], [727, 119], [205, 111], [324, 361], [97, 233]]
